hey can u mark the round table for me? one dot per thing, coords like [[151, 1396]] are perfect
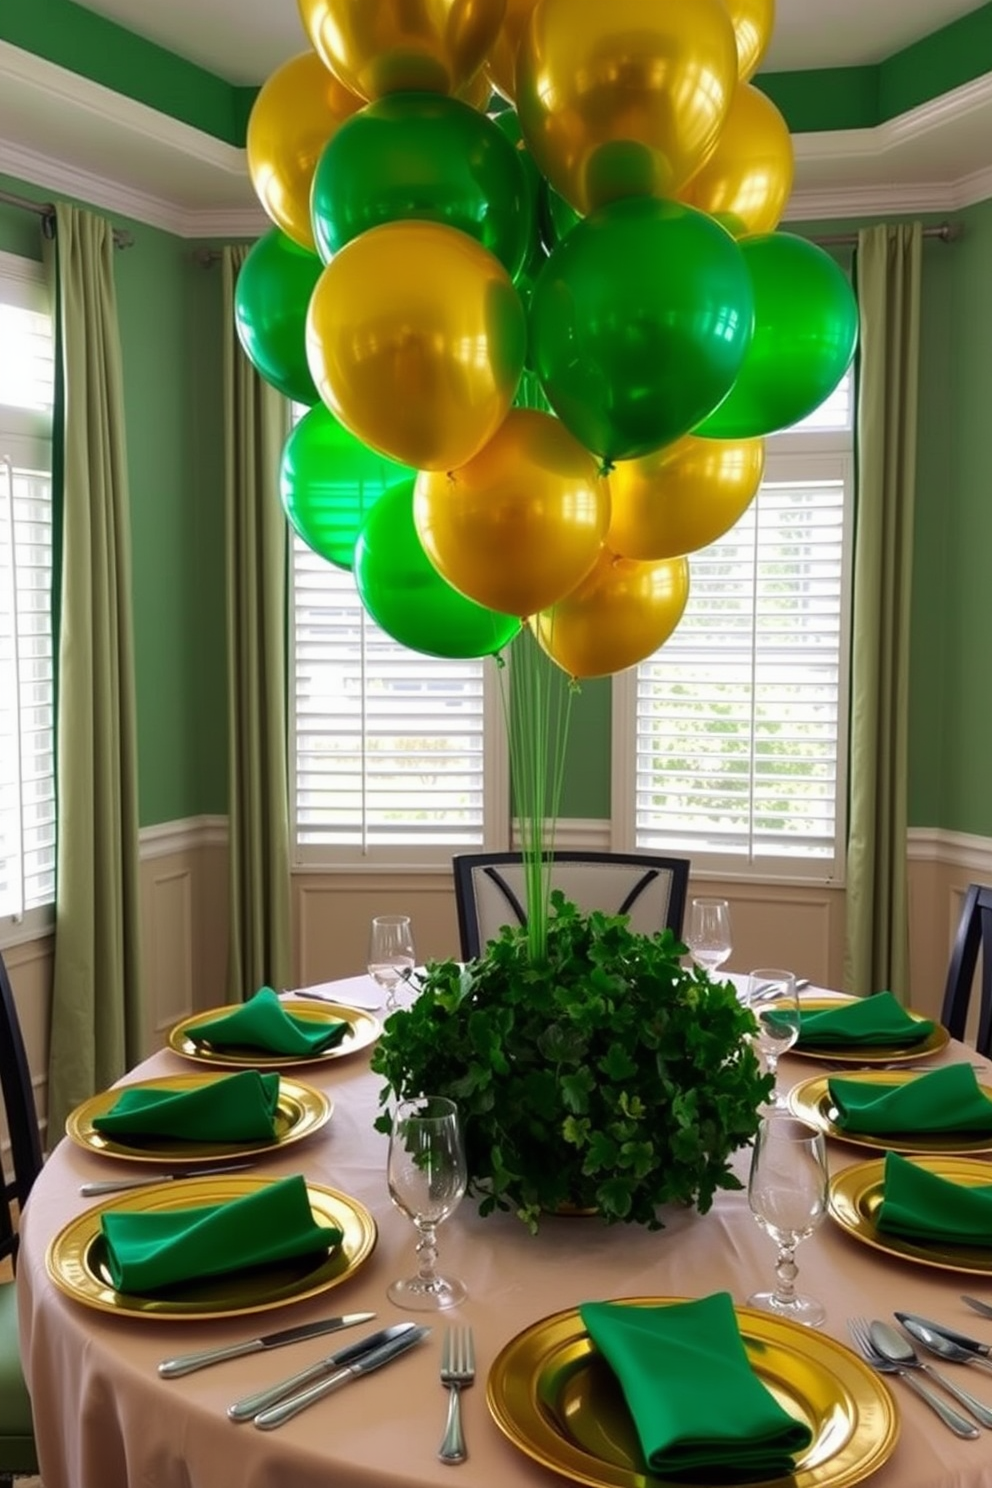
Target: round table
[[105, 1419]]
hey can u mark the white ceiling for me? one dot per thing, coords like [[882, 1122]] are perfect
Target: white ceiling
[[69, 135]]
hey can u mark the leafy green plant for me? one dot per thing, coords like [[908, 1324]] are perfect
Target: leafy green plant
[[608, 1076]]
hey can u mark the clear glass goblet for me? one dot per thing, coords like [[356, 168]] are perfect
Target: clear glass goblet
[[787, 1194], [427, 1178], [774, 1001], [708, 935], [391, 954]]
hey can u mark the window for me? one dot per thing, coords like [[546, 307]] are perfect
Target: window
[[730, 742], [27, 781], [399, 758]]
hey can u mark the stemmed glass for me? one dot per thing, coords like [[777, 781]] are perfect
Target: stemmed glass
[[427, 1178], [708, 936], [787, 1193], [391, 954], [774, 1001]]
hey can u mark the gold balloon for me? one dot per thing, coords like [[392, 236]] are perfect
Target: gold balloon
[[295, 113], [416, 340], [391, 46], [753, 22], [624, 97], [517, 527], [621, 613], [502, 64], [682, 498], [747, 180]]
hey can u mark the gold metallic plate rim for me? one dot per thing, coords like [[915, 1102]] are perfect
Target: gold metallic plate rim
[[362, 1031], [73, 1258], [849, 1408], [934, 1042], [301, 1110], [810, 1101], [856, 1195]]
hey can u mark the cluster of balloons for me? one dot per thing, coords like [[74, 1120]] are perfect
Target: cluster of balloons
[[525, 274]]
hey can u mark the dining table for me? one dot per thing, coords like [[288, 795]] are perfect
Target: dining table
[[105, 1418]]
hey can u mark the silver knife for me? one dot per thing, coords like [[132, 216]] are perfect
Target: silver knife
[[961, 1339], [984, 1308], [279, 1414], [186, 1363], [118, 1185], [250, 1406]]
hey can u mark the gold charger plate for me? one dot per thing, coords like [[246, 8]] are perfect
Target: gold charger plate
[[856, 1196], [811, 1102], [300, 1110], [362, 1031], [76, 1257], [556, 1399], [871, 1053]]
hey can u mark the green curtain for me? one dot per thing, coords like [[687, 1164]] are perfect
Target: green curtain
[[887, 266], [97, 1022], [256, 424]]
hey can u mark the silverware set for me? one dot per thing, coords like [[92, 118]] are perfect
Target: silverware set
[[891, 1352]]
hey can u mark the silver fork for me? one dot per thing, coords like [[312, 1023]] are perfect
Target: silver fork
[[457, 1373], [859, 1330]]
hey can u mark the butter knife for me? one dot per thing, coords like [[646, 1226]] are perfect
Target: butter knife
[[249, 1406], [186, 1363], [279, 1414], [118, 1185], [984, 1308]]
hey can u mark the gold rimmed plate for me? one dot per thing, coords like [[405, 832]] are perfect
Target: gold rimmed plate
[[76, 1259], [923, 1048], [363, 1029], [552, 1394], [300, 1110], [856, 1197], [811, 1102]]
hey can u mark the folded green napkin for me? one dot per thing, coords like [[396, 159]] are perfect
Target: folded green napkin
[[263, 1023], [235, 1108], [945, 1100], [923, 1206], [695, 1401], [865, 1022], [152, 1250]]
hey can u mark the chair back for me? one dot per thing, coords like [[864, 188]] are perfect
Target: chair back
[[490, 891], [21, 1118], [974, 934]]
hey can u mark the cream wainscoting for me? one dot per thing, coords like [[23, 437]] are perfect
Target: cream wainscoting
[[184, 922]]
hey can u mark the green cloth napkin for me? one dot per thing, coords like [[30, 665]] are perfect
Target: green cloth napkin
[[150, 1251], [945, 1100], [263, 1023], [694, 1398], [235, 1108], [877, 1020], [923, 1206]]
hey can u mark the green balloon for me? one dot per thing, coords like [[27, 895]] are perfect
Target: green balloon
[[427, 157], [506, 121], [328, 483], [805, 333], [639, 324], [556, 215], [408, 598], [271, 297]]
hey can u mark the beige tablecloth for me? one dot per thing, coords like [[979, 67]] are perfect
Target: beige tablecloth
[[106, 1420]]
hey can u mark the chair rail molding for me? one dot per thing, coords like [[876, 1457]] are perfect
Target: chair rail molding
[[952, 849]]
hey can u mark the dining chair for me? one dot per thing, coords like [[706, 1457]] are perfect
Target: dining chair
[[974, 934], [17, 1445], [490, 891]]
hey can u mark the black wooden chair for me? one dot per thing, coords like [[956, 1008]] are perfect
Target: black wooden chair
[[490, 892], [17, 1445], [974, 934]]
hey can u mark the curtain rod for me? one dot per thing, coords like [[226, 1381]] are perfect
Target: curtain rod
[[46, 211]]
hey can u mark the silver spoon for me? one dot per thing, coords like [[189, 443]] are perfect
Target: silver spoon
[[900, 1351], [942, 1346]]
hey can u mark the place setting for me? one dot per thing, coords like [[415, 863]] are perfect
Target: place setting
[[269, 1032]]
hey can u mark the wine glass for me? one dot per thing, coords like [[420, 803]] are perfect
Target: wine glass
[[427, 1178], [787, 1194], [391, 954], [774, 1001], [708, 936]]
